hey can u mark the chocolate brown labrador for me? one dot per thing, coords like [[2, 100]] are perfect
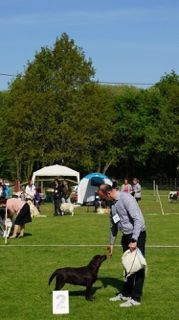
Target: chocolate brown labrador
[[83, 276]]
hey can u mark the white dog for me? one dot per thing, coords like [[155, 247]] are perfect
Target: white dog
[[67, 208], [173, 196], [101, 210]]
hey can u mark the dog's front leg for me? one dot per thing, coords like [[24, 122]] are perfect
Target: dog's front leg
[[88, 294]]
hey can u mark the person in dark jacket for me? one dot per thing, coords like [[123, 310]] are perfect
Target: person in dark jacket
[[57, 197]]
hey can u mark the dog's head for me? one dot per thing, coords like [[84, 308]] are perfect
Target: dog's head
[[97, 261]]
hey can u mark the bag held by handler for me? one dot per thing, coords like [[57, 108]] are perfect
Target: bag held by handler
[[133, 261]]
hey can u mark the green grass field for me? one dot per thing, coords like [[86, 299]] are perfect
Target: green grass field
[[27, 263]]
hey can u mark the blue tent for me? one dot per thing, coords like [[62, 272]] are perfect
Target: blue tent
[[89, 184]]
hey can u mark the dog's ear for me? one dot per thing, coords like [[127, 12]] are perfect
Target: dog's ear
[[97, 256]]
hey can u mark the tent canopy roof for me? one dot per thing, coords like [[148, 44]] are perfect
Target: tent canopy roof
[[56, 171], [96, 178], [95, 174], [89, 184]]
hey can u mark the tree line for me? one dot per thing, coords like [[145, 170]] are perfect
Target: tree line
[[56, 113]]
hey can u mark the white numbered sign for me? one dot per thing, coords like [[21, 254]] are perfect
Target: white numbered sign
[[61, 302]]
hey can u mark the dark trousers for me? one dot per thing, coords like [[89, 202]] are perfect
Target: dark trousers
[[133, 285], [57, 204]]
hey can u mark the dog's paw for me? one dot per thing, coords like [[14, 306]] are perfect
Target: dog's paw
[[90, 298]]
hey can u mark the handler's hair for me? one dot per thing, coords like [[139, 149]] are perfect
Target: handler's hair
[[105, 188]]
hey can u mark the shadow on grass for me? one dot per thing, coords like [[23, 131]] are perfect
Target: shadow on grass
[[113, 282], [79, 293], [27, 234], [82, 292], [106, 281]]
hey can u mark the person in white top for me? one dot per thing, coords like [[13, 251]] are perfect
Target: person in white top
[[30, 190], [136, 187]]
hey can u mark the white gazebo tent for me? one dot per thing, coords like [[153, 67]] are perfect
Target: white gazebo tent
[[55, 171]]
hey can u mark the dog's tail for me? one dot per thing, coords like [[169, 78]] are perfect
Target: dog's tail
[[52, 277]]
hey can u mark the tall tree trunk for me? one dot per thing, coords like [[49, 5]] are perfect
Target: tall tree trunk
[[18, 168], [107, 165], [29, 168]]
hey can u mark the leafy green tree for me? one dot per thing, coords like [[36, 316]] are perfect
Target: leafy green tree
[[169, 124], [91, 119], [146, 129], [3, 158], [129, 124], [36, 122], [55, 113]]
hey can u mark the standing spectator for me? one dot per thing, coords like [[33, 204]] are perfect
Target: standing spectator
[[57, 197], [4, 189], [136, 188], [127, 217], [21, 211], [37, 198], [30, 191], [66, 191], [126, 186], [114, 182]]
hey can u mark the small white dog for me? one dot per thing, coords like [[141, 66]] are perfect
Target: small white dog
[[67, 208], [103, 210], [173, 196]]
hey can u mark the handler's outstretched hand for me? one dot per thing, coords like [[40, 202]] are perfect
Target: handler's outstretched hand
[[110, 250]]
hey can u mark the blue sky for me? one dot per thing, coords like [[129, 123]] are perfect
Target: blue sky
[[134, 41]]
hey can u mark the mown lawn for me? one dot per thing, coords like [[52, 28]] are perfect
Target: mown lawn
[[25, 269]]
